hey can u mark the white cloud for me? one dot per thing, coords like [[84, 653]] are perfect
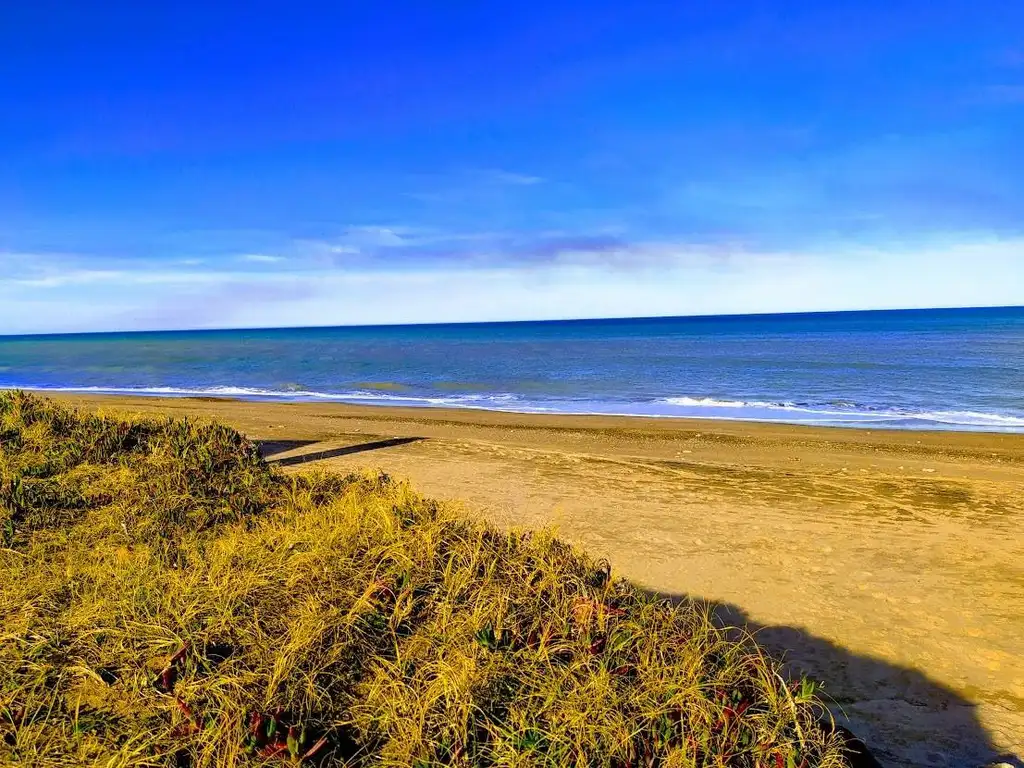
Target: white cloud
[[260, 258], [663, 279], [515, 179], [83, 278], [380, 236]]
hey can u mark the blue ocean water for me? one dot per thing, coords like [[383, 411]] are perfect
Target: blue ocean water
[[928, 369]]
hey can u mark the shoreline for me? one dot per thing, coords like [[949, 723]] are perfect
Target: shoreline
[[886, 563], [886, 424], [601, 433]]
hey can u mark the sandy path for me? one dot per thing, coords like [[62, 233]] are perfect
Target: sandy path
[[888, 565]]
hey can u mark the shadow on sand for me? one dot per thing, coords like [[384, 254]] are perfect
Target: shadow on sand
[[271, 448], [904, 718]]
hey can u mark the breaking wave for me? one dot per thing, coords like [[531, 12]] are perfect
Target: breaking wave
[[834, 413]]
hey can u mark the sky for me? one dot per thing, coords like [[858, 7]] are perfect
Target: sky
[[195, 164]]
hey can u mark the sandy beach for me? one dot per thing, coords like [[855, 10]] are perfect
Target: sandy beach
[[889, 565]]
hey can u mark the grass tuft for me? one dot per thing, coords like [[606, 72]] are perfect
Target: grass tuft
[[168, 599]]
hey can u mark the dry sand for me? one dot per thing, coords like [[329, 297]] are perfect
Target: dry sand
[[889, 565]]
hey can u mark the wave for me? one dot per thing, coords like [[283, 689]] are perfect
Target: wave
[[971, 418], [292, 394], [847, 410], [710, 402], [835, 412]]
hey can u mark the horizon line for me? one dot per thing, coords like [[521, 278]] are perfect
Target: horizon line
[[543, 321]]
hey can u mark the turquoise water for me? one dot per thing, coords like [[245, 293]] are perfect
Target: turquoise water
[[953, 369]]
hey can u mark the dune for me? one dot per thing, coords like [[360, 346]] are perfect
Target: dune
[[886, 565]]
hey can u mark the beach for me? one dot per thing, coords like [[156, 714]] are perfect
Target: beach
[[887, 564]]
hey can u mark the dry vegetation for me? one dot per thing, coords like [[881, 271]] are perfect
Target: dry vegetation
[[167, 599]]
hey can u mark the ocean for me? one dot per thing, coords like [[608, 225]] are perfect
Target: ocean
[[916, 369]]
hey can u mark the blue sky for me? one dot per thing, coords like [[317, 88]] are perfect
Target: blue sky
[[197, 165]]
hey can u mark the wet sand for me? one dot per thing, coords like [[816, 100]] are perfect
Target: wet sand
[[889, 565]]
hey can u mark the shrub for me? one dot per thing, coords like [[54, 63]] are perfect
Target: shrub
[[168, 599]]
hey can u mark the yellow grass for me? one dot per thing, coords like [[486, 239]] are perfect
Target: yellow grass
[[167, 599]]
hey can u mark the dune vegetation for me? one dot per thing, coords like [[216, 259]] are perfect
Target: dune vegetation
[[169, 599]]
